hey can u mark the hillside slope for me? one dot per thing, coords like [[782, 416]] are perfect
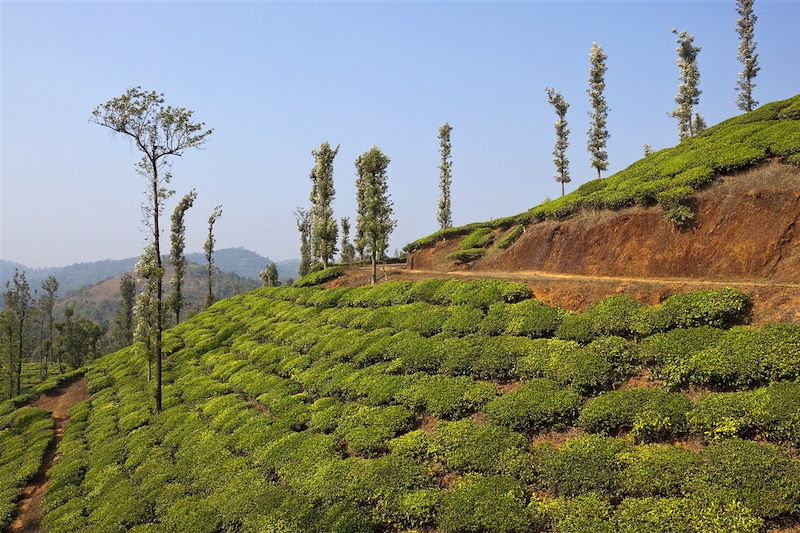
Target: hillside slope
[[746, 226], [722, 205], [439, 406]]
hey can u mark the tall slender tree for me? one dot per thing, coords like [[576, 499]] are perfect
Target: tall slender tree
[[324, 229], [145, 310], [8, 329], [160, 132], [598, 128], [177, 257], [208, 247], [50, 288], [124, 320], [303, 221], [445, 214], [19, 301], [347, 250], [562, 137], [375, 208], [689, 91], [746, 27]]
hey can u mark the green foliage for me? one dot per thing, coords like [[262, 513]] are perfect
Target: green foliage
[[24, 436], [649, 414], [511, 236], [480, 238], [764, 478], [583, 465], [737, 143], [536, 405], [367, 430], [466, 256], [319, 277], [411, 406], [478, 503]]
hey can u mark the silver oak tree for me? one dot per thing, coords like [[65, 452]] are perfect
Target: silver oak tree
[[444, 214], [324, 231], [160, 132], [746, 54], [689, 92], [176, 252], [374, 222], [560, 159], [208, 248], [598, 129]]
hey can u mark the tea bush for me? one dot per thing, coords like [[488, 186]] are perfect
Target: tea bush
[[536, 405]]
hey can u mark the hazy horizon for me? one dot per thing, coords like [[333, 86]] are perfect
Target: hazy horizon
[[275, 80]]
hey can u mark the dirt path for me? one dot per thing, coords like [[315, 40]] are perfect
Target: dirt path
[[58, 402], [773, 301]]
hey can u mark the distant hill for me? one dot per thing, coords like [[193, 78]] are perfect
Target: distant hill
[[99, 302], [240, 261], [246, 263]]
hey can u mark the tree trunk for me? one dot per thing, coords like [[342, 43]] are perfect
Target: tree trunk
[[48, 356], [562, 188], [10, 387], [598, 173], [19, 361], [374, 278], [156, 242]]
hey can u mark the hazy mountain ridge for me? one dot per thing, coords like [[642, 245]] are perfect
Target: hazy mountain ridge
[[240, 261]]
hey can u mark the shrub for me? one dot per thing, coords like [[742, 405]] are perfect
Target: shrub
[[690, 515], [511, 236], [466, 256], [532, 318], [496, 320], [735, 361], [650, 414], [770, 412], [582, 514], [668, 354], [480, 238], [447, 397], [537, 405], [615, 316], [717, 308], [584, 465], [761, 476], [577, 327], [465, 447], [367, 430], [462, 320], [478, 504], [319, 277], [658, 470]]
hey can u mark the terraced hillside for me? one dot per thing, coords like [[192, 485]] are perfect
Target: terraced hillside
[[442, 406], [722, 205]]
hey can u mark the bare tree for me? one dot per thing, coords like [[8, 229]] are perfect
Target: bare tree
[[159, 132]]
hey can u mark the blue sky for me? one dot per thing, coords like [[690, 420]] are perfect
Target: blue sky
[[275, 80]]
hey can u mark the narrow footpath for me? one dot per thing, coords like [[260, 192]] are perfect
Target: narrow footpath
[[58, 402]]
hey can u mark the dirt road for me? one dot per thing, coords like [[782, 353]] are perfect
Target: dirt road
[[58, 402]]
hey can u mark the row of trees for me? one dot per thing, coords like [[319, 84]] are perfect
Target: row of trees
[[319, 231], [29, 332], [690, 123]]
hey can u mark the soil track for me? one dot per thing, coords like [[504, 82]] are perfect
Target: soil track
[[58, 402], [773, 301]]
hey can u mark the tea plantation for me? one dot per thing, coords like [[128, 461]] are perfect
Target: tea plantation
[[433, 406], [667, 178]]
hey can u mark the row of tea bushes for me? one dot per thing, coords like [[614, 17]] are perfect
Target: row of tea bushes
[[25, 434]]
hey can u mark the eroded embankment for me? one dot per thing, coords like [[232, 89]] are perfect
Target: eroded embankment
[[58, 402], [746, 228]]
